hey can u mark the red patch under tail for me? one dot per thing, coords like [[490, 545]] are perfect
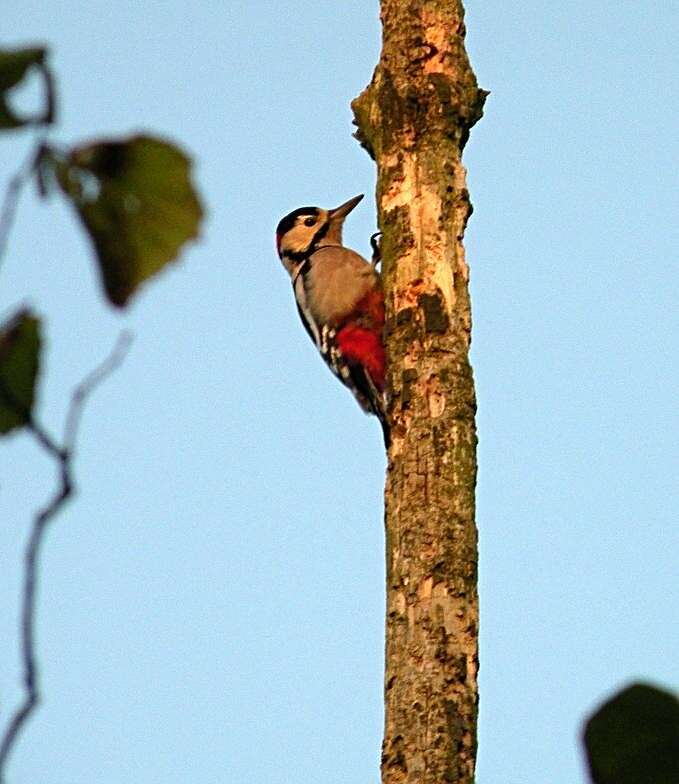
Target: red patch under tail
[[363, 346]]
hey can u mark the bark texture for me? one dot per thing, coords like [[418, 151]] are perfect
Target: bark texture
[[414, 120]]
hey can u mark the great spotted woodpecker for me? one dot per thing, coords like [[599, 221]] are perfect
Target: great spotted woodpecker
[[339, 299]]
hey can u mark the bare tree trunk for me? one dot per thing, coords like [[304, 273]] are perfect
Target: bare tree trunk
[[414, 120]]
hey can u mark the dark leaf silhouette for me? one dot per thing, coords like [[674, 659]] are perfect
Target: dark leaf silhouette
[[19, 354], [634, 738], [14, 66]]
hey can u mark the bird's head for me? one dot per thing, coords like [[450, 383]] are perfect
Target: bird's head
[[303, 230]]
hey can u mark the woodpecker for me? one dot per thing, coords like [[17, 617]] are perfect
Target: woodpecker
[[339, 299]]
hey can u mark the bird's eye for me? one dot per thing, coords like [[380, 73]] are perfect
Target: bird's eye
[[310, 221]]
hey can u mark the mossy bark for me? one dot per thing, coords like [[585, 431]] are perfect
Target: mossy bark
[[414, 119]]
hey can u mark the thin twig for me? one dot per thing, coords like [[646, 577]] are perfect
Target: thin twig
[[30, 666], [64, 457], [89, 384], [14, 188]]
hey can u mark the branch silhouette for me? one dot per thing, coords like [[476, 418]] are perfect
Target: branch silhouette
[[14, 188], [63, 454]]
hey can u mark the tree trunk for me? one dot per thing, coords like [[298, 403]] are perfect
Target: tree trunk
[[414, 120]]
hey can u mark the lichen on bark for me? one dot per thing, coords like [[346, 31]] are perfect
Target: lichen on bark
[[414, 119]]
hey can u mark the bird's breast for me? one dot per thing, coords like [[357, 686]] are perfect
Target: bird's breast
[[336, 281]]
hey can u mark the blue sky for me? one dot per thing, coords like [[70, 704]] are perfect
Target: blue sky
[[212, 602]]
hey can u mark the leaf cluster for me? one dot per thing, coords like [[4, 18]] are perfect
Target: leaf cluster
[[136, 201], [134, 197]]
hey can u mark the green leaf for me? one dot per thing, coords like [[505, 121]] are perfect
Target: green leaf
[[14, 66], [137, 203], [634, 738], [19, 355]]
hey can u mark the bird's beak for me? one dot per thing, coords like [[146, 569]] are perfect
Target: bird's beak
[[341, 212]]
